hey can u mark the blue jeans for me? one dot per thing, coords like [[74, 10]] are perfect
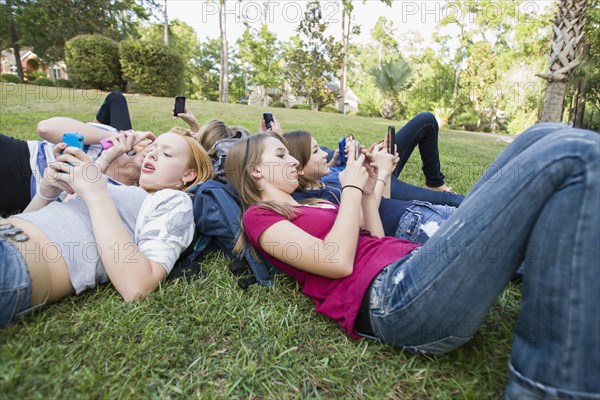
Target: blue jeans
[[422, 220], [15, 283], [538, 204]]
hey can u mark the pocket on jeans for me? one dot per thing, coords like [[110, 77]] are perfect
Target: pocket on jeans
[[408, 227], [441, 346]]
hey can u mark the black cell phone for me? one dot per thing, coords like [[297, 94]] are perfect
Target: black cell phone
[[391, 139], [268, 117], [179, 106]]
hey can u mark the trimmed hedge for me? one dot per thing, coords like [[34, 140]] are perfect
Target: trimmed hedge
[[301, 107], [151, 68], [10, 78], [93, 62], [277, 104], [41, 81], [63, 83]]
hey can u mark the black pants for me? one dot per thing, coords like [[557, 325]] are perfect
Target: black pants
[[114, 112], [15, 175]]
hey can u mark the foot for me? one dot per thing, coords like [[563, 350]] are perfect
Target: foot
[[444, 188]]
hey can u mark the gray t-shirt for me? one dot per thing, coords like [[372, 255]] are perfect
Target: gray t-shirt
[[161, 224]]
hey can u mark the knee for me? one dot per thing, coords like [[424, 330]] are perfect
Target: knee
[[115, 96], [428, 118]]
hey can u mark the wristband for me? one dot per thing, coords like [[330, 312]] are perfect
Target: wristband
[[41, 196], [382, 180], [352, 186], [102, 161]]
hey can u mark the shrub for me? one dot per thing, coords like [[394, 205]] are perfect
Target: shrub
[[277, 104], [10, 78], [151, 68], [362, 113], [93, 62], [63, 83], [42, 81], [301, 107], [330, 109], [467, 120], [31, 76]]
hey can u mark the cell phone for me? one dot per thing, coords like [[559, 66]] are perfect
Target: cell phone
[[342, 149], [73, 139], [357, 150], [179, 106], [391, 139], [268, 117], [105, 144]]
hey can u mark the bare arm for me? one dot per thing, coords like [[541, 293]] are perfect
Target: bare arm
[[52, 130]]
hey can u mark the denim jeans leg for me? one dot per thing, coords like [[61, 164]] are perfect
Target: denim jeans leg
[[421, 220], [15, 283], [404, 191], [114, 112], [547, 217]]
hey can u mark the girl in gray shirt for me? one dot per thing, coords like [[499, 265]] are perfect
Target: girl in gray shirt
[[130, 236]]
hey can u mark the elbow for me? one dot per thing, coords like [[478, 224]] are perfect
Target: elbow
[[132, 294], [43, 129], [343, 270]]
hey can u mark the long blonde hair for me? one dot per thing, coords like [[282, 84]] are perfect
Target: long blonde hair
[[241, 160], [198, 159]]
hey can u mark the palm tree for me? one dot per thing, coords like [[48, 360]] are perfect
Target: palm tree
[[567, 33], [390, 77]]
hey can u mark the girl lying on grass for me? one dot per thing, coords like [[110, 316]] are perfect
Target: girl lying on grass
[[422, 132], [24, 162], [540, 206], [413, 220], [130, 236]]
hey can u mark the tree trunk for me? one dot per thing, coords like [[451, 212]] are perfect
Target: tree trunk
[[224, 73], [166, 27], [345, 39], [567, 32], [14, 38], [553, 106], [581, 103]]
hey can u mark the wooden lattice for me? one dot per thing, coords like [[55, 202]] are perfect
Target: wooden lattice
[[567, 33]]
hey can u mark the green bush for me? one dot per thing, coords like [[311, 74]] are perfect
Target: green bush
[[277, 104], [10, 78], [466, 120], [93, 62], [360, 113], [301, 107], [41, 81], [63, 83], [31, 76], [330, 109], [151, 68]]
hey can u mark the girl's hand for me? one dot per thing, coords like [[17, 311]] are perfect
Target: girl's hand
[[188, 117], [124, 142], [51, 186], [355, 172], [275, 126], [77, 170], [384, 162]]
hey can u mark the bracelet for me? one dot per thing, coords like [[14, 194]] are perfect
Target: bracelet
[[41, 196], [382, 180], [352, 186], [102, 161]]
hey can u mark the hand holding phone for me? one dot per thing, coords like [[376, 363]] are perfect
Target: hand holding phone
[[73, 139], [391, 140], [268, 117], [179, 106]]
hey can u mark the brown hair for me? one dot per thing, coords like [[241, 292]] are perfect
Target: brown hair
[[211, 132], [241, 160], [299, 147]]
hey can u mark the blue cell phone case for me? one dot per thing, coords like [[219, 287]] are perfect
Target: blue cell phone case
[[342, 149], [73, 139]]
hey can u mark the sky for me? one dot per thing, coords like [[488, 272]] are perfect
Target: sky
[[283, 16]]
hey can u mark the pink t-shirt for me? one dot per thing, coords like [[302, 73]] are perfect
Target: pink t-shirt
[[339, 299]]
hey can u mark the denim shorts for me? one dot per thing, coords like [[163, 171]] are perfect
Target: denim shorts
[[421, 220], [15, 283]]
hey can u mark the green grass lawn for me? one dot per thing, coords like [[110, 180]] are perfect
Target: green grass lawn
[[210, 339]]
